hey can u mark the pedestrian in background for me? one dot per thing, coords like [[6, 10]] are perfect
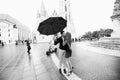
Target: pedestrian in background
[[28, 47]]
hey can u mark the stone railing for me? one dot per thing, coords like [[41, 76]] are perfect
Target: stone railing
[[114, 45], [114, 40]]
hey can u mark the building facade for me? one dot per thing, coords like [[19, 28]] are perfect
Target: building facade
[[64, 11], [12, 30], [8, 33]]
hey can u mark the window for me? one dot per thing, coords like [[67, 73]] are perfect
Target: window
[[8, 35], [8, 30], [66, 17], [0, 34], [14, 26], [65, 8], [9, 41]]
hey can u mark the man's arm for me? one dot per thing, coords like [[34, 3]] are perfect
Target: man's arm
[[56, 41]]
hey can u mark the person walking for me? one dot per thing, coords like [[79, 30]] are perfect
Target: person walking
[[28, 47]]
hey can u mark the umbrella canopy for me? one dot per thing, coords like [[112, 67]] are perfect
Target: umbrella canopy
[[52, 25]]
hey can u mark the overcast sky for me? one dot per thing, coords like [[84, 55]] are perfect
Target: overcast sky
[[87, 14]]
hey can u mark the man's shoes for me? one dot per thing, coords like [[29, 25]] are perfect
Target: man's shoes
[[60, 71], [71, 72]]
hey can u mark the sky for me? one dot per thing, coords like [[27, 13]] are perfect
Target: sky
[[88, 15]]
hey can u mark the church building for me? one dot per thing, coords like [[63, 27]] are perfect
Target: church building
[[64, 11]]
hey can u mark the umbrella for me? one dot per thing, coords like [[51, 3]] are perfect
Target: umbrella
[[52, 25]]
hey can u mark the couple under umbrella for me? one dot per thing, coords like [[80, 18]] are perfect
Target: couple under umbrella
[[52, 26]]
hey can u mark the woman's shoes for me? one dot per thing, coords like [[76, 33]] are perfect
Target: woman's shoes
[[65, 71], [68, 73], [72, 67], [71, 72]]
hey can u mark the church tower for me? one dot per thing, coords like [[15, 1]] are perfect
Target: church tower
[[54, 14], [41, 14], [65, 12]]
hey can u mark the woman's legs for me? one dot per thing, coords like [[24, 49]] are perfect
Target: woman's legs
[[69, 66], [65, 62]]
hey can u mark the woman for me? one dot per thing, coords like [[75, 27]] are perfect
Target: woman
[[68, 52]]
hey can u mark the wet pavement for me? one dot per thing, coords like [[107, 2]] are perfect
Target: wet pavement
[[12, 62], [90, 65], [16, 64]]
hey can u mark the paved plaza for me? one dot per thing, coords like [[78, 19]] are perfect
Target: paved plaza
[[89, 63]]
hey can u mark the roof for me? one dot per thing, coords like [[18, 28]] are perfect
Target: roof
[[19, 25]]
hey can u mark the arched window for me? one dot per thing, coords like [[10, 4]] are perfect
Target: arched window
[[66, 17], [65, 8], [8, 30], [8, 35]]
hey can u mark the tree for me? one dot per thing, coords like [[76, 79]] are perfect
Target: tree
[[102, 33], [95, 34], [87, 35], [108, 32]]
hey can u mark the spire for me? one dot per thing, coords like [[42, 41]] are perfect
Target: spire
[[38, 14], [43, 12], [65, 12], [54, 14]]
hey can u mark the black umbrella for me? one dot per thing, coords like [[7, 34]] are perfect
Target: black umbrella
[[52, 25]]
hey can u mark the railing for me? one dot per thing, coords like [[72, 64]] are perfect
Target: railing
[[107, 45]]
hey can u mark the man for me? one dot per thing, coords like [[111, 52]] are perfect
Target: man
[[61, 51]]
